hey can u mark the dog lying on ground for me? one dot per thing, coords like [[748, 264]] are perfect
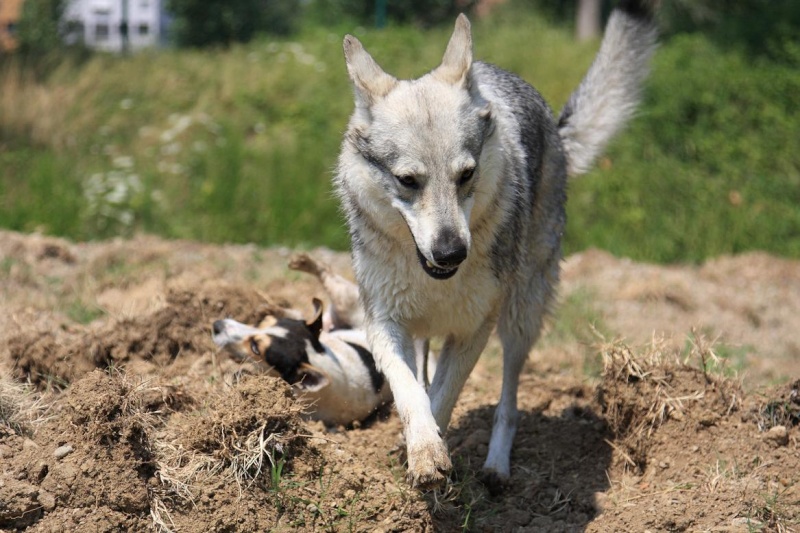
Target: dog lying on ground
[[453, 186], [326, 359], [346, 311], [331, 370]]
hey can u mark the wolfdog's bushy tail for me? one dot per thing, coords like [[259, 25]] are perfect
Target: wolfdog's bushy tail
[[609, 92]]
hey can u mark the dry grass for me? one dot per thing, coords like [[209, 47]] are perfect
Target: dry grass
[[640, 392], [21, 408], [240, 445], [33, 110], [783, 410]]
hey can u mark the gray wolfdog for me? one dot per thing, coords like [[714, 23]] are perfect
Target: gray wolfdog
[[453, 186]]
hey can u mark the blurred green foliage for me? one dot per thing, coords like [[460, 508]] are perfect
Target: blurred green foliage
[[759, 28], [38, 29], [223, 22], [710, 166], [423, 13], [239, 144]]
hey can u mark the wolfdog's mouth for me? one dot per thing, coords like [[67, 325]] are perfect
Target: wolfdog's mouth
[[434, 271]]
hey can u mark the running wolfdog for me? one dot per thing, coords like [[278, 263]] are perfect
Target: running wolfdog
[[453, 186]]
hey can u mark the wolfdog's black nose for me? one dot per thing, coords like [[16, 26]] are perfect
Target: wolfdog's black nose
[[449, 250], [218, 326]]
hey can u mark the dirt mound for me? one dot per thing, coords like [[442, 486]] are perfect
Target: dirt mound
[[180, 329], [689, 452], [93, 453], [639, 394], [123, 416]]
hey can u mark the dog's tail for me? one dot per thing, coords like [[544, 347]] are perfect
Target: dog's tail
[[609, 92]]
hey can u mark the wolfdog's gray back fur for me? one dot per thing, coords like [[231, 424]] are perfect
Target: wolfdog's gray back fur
[[596, 110], [538, 144]]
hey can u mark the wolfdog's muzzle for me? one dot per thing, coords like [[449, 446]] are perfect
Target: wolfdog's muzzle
[[448, 252]]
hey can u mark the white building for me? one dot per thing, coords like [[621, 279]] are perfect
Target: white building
[[100, 24]]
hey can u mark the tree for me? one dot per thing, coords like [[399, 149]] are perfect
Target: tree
[[587, 19], [39, 31], [209, 22], [421, 12]]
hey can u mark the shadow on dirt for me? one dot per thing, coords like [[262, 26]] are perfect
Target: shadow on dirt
[[559, 463]]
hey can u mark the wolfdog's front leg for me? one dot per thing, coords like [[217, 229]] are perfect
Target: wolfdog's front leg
[[393, 348]]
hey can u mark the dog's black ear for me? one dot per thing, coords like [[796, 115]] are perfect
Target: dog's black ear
[[311, 379], [315, 324]]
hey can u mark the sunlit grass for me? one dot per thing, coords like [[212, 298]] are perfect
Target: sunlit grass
[[238, 145]]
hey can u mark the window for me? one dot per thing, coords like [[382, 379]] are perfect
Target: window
[[101, 32], [75, 32], [143, 29], [11, 28]]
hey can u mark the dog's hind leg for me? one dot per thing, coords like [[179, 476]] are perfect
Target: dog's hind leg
[[517, 339], [422, 349], [498, 462], [456, 361], [345, 311]]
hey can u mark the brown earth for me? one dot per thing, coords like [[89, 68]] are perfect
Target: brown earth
[[117, 413]]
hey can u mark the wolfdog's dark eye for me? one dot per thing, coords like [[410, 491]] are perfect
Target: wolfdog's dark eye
[[407, 181], [254, 347], [466, 176]]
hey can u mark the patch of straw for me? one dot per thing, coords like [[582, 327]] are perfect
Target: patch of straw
[[162, 521], [639, 390], [22, 409]]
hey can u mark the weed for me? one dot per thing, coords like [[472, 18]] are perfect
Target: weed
[[81, 312], [770, 514], [716, 357]]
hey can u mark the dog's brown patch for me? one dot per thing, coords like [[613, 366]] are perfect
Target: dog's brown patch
[[268, 322]]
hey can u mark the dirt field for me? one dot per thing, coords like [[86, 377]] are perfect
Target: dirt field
[[660, 399]]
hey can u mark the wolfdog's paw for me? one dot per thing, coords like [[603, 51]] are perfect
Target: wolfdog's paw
[[494, 481], [428, 464]]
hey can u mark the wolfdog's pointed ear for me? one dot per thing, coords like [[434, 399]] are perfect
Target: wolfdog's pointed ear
[[370, 81], [458, 56]]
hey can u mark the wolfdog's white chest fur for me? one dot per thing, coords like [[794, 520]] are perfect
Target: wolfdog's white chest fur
[[429, 307]]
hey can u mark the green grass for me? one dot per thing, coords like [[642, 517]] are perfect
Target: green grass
[[710, 166], [238, 145]]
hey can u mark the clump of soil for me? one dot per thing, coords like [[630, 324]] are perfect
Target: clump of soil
[[781, 409]]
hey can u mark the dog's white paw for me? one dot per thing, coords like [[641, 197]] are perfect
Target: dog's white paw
[[428, 463], [305, 263]]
